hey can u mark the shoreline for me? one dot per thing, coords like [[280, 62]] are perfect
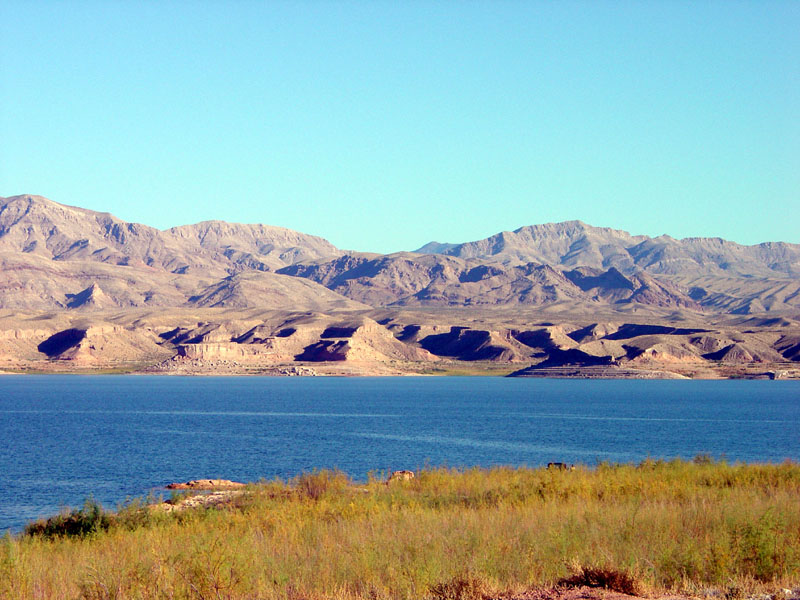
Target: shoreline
[[200, 488], [775, 372]]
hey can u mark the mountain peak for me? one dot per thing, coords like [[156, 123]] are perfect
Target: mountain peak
[[92, 297], [435, 248], [556, 225]]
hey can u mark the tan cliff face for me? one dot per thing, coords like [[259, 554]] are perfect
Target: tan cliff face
[[214, 341]]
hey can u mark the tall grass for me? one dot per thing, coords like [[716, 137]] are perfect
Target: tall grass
[[657, 526]]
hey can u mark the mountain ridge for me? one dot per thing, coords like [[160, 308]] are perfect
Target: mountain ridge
[[574, 243], [34, 224], [59, 256]]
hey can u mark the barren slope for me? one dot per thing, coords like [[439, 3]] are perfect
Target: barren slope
[[56, 256], [576, 244], [36, 225], [407, 279]]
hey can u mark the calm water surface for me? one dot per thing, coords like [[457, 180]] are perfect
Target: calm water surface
[[64, 438]]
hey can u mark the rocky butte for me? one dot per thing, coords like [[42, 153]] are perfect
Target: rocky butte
[[83, 291]]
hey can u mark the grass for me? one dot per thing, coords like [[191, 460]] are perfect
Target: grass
[[446, 535], [49, 368], [470, 369]]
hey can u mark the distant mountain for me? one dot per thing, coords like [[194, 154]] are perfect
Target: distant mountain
[[54, 256], [260, 247], [436, 248], [40, 227], [407, 279], [576, 244], [57, 256]]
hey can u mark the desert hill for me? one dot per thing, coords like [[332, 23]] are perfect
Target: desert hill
[[40, 227], [576, 244], [35, 283], [57, 256], [395, 341], [407, 279], [271, 291]]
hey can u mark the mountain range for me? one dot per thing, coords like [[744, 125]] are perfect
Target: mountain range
[[54, 256], [85, 291]]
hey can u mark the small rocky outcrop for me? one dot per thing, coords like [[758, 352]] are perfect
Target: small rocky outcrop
[[402, 475], [206, 484]]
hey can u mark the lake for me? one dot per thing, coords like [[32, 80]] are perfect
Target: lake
[[65, 438]]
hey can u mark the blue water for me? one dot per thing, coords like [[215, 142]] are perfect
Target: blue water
[[64, 438]]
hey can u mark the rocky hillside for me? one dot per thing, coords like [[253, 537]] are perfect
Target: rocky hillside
[[407, 279], [576, 244], [40, 227], [260, 247], [54, 256]]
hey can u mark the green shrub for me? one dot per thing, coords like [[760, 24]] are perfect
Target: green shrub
[[77, 523]]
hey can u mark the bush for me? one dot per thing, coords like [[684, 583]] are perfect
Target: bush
[[77, 523], [317, 484], [135, 513], [610, 579]]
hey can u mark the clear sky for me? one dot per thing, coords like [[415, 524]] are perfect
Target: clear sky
[[382, 125]]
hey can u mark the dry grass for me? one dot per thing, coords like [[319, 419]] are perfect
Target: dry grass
[[447, 534], [466, 587]]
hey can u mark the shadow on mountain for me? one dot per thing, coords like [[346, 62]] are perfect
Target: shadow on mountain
[[611, 279], [61, 342], [465, 344], [573, 357], [630, 330], [338, 332]]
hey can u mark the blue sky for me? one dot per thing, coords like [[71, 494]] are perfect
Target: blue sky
[[384, 125]]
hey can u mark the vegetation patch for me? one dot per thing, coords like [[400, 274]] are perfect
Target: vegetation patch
[[463, 587], [76, 523], [657, 527], [596, 577]]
